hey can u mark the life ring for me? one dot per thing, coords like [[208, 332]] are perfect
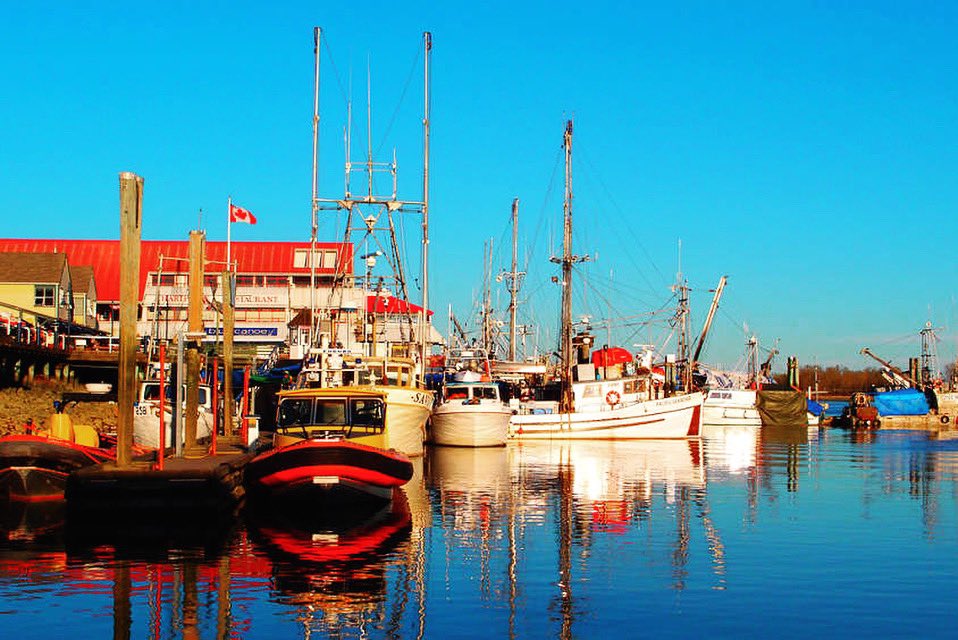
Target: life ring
[[944, 419], [612, 398]]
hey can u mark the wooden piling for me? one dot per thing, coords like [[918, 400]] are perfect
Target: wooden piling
[[195, 328], [131, 221], [228, 324]]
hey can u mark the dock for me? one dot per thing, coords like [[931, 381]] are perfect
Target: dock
[[211, 484]]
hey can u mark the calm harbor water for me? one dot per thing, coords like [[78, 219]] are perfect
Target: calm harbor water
[[741, 534]]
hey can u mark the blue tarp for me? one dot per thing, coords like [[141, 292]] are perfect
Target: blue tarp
[[816, 408], [903, 402]]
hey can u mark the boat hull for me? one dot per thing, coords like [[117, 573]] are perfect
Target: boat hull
[[667, 418], [731, 408], [36, 468], [458, 425], [328, 471], [406, 413], [146, 427]]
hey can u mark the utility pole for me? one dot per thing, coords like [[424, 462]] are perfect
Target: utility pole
[[229, 322], [131, 223], [194, 335]]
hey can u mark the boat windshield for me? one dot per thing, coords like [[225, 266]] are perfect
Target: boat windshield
[[151, 392], [331, 417], [485, 393]]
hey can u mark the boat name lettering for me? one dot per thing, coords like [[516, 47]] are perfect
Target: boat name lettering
[[420, 398]]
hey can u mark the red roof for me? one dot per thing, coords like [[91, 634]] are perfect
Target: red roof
[[391, 304], [250, 257]]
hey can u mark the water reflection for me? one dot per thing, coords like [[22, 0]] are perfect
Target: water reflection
[[530, 540], [332, 567]]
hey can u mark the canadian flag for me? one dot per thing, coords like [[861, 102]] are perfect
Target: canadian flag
[[239, 214]]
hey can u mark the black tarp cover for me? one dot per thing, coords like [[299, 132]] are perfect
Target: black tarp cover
[[782, 408]]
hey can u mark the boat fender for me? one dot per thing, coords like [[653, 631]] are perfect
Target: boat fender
[[944, 419], [612, 398]]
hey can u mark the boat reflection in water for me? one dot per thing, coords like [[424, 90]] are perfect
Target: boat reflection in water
[[523, 524], [332, 568], [731, 450]]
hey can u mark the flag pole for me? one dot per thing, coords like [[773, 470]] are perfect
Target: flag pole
[[229, 209]]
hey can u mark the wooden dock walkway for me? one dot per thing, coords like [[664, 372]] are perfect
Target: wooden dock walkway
[[193, 484]]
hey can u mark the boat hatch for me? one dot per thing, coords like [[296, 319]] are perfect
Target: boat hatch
[[324, 418]]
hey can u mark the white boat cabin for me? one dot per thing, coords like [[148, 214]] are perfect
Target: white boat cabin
[[150, 393], [334, 370], [471, 393]]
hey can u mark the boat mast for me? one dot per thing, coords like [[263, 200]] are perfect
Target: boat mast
[[370, 215], [487, 296], [929, 373], [682, 319], [317, 34], [514, 280], [708, 321], [566, 261], [424, 321]]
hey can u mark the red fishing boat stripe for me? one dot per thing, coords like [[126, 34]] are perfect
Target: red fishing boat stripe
[[304, 474]]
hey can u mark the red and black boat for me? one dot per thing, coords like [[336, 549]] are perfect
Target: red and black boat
[[34, 468], [331, 470], [329, 447]]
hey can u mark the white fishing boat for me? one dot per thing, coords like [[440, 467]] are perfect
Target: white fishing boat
[[146, 415], [665, 418], [624, 404], [730, 408], [470, 414]]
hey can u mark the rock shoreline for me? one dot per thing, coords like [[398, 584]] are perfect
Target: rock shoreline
[[19, 405]]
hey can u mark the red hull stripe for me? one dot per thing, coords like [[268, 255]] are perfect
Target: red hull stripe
[[305, 474], [696, 422]]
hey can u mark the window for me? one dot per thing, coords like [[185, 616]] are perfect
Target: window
[[244, 281], [43, 295], [330, 412], [592, 391], [296, 411], [367, 416], [301, 259], [486, 393], [276, 281]]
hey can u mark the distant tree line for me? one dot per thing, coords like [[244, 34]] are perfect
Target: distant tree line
[[837, 380]]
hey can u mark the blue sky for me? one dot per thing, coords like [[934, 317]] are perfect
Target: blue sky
[[808, 150]]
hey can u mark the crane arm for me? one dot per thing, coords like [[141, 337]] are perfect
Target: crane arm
[[898, 373], [708, 321]]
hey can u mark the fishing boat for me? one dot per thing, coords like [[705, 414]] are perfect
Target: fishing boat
[[146, 415], [34, 466], [730, 408], [330, 445], [372, 339], [624, 404], [470, 414]]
